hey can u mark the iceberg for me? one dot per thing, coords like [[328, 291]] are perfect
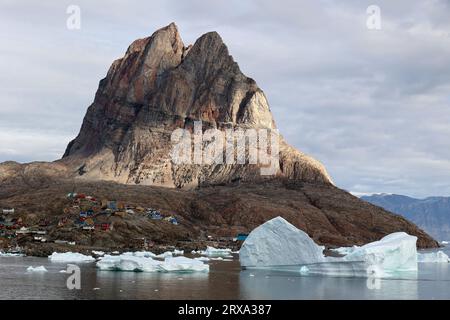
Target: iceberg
[[130, 262], [279, 243], [396, 252], [164, 255], [433, 257], [183, 264], [8, 254], [345, 250], [70, 257], [36, 269], [214, 252], [178, 252]]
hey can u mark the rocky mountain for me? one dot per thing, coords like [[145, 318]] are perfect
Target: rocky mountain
[[123, 152], [431, 214], [161, 85]]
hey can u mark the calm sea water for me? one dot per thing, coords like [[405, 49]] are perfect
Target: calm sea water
[[225, 280]]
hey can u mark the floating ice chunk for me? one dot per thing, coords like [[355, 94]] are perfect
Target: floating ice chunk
[[444, 243], [183, 264], [98, 253], [217, 259], [433, 257], [164, 255], [395, 252], [279, 243], [202, 259], [304, 270], [36, 269], [70, 257], [127, 262], [345, 250], [7, 254], [214, 252], [178, 252], [146, 254]]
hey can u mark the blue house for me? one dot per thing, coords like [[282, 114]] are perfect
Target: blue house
[[241, 237]]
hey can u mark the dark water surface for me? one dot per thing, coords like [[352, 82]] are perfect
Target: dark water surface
[[225, 280]]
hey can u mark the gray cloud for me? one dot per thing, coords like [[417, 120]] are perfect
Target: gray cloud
[[371, 105]]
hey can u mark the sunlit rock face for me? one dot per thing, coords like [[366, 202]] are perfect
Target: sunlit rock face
[[161, 85]]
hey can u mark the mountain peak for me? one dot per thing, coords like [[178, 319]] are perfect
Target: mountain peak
[[161, 85]]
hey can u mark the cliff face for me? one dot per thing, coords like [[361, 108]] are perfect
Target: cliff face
[[161, 85]]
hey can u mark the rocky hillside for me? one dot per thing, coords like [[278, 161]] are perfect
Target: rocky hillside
[[331, 216], [431, 214]]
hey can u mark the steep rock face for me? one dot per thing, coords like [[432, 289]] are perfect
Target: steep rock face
[[161, 85]]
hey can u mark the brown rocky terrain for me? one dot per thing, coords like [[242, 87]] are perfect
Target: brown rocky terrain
[[123, 152], [331, 216]]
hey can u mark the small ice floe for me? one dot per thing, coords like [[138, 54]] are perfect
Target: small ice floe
[[433, 257], [98, 253], [36, 269], [214, 252], [148, 264], [217, 259], [164, 255], [444, 243], [95, 289], [178, 252], [70, 257], [280, 245], [145, 254], [205, 259], [9, 254], [115, 252], [63, 271], [345, 250]]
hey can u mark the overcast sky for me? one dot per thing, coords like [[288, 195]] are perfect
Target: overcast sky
[[372, 105]]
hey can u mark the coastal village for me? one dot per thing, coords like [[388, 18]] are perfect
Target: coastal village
[[87, 216]]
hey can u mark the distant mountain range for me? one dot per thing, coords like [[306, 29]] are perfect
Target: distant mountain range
[[431, 214]]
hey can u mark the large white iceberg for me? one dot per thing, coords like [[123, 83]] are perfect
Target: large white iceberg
[[279, 243], [433, 257], [130, 262], [70, 257], [396, 252]]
